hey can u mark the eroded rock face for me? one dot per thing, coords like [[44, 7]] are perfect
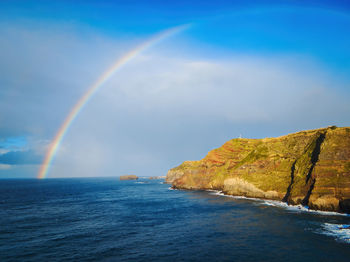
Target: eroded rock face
[[240, 187], [174, 174], [309, 167]]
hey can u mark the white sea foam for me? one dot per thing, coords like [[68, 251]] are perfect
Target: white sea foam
[[219, 193], [215, 192], [269, 204], [300, 208], [275, 203], [341, 232]]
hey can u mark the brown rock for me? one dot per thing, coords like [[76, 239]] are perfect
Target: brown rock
[[128, 177]]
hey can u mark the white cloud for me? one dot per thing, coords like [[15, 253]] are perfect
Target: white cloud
[[242, 89], [160, 109], [4, 167]]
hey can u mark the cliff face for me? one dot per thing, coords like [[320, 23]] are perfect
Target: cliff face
[[309, 168]]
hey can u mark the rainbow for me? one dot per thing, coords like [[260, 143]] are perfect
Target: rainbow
[[53, 147]]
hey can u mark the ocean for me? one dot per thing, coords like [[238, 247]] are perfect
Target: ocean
[[104, 219]]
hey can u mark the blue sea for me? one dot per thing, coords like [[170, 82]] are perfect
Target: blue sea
[[104, 219]]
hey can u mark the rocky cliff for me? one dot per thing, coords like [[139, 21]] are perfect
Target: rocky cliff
[[310, 168]]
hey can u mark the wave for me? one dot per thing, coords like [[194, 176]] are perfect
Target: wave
[[280, 204], [341, 232]]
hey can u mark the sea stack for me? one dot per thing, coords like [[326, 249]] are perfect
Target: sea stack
[[311, 168], [128, 177]]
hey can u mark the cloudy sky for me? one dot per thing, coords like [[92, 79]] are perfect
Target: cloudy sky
[[258, 70]]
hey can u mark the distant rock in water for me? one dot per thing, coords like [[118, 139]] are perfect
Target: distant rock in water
[[128, 177], [311, 168], [157, 177]]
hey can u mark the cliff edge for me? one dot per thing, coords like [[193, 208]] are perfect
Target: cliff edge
[[311, 168]]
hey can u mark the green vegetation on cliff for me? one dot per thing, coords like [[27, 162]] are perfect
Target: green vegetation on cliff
[[309, 167]]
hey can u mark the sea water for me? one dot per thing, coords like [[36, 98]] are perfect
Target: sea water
[[104, 219]]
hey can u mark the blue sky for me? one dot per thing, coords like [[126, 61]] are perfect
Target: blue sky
[[261, 69]]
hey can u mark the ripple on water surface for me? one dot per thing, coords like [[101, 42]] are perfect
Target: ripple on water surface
[[112, 220]]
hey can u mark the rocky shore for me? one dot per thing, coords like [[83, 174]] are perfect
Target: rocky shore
[[311, 168]]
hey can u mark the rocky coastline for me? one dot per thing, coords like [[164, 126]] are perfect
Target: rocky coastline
[[309, 168]]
